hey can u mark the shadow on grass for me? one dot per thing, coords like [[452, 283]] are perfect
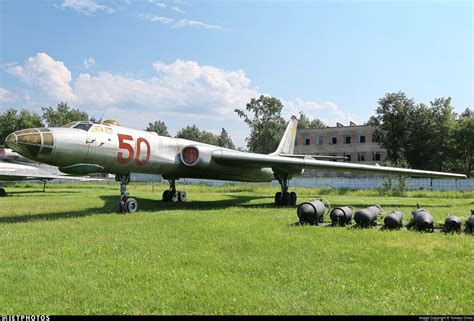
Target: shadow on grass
[[144, 205]]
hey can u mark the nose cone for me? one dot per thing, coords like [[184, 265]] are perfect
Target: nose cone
[[31, 142]]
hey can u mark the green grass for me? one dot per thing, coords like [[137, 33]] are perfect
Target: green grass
[[226, 251]]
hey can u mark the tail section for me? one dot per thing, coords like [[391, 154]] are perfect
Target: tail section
[[287, 143]]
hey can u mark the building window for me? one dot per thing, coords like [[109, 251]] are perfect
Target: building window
[[361, 139], [347, 139], [334, 140], [333, 155], [376, 156], [320, 140], [348, 157], [307, 141], [361, 156]]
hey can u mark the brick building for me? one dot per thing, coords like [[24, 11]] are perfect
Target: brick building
[[354, 142]]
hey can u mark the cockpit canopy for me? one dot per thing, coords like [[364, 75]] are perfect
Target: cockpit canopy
[[91, 126]]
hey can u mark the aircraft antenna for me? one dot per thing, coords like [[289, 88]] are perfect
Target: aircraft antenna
[[106, 107]]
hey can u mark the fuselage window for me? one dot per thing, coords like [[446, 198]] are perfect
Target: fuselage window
[[97, 129], [83, 126]]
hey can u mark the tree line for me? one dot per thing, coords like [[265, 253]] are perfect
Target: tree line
[[421, 136]]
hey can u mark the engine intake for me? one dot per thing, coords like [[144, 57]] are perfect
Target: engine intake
[[190, 155]]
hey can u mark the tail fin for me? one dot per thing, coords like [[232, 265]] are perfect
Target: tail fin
[[287, 143]]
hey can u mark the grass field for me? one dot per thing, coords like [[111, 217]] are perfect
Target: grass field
[[226, 251]]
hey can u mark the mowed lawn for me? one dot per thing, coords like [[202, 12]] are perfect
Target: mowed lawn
[[226, 251]]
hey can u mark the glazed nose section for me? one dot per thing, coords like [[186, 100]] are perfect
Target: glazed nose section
[[10, 140], [31, 142]]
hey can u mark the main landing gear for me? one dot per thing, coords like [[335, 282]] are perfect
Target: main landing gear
[[126, 204], [284, 198], [2, 192], [172, 195]]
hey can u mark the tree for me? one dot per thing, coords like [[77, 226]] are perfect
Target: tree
[[463, 134], [190, 132], [391, 122], [11, 121], [62, 115], [208, 138], [224, 140], [305, 123], [158, 127], [266, 127]]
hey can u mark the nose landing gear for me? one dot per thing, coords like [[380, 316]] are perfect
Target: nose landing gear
[[172, 195], [126, 204]]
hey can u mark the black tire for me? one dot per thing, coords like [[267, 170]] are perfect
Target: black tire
[[286, 199], [3, 193], [293, 198], [182, 197], [131, 205], [166, 196], [173, 196], [278, 198], [121, 206]]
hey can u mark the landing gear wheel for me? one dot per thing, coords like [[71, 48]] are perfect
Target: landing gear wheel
[[2, 192], [166, 196], [285, 200], [182, 197], [131, 205], [293, 198], [278, 198]]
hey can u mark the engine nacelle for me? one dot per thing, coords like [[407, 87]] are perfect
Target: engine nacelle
[[196, 156]]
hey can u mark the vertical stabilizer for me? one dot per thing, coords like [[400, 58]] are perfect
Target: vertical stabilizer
[[287, 143]]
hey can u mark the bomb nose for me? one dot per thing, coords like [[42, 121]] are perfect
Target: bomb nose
[[31, 142]]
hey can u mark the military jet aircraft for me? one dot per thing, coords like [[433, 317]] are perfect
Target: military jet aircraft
[[14, 167], [105, 147]]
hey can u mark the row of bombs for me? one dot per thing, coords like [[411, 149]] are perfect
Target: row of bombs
[[313, 213]]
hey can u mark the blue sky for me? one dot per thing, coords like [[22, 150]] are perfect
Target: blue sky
[[193, 62]]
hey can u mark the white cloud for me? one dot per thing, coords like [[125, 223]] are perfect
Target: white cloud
[[159, 4], [5, 96], [328, 112], [182, 23], [196, 24], [180, 93], [88, 63], [86, 7], [177, 9], [152, 18], [47, 74]]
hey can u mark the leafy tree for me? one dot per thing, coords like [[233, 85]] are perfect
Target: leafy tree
[[463, 134], [208, 138], [391, 121], [467, 113], [224, 140], [193, 133], [190, 132], [11, 121], [62, 115], [158, 127], [266, 126], [305, 123]]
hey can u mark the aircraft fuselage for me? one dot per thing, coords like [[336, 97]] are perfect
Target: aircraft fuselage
[[119, 150]]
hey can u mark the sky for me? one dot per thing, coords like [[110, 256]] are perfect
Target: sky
[[194, 62]]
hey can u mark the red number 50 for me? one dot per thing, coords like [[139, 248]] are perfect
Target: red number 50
[[129, 148]]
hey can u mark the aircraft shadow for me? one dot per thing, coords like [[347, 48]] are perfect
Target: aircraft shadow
[[157, 205], [144, 205]]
